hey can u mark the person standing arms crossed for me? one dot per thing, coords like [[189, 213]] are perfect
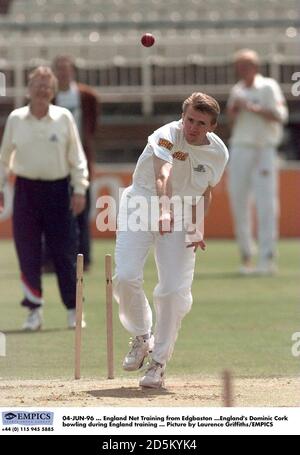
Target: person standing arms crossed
[[82, 101], [41, 146], [184, 159], [257, 109]]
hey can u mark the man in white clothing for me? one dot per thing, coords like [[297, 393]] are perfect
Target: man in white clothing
[[183, 159], [41, 146], [257, 110], [82, 101]]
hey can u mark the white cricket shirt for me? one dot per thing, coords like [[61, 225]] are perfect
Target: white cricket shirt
[[250, 128], [195, 167], [70, 99], [43, 149]]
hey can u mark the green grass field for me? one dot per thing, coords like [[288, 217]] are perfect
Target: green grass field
[[241, 323]]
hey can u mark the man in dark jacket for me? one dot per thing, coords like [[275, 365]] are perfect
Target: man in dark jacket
[[83, 102]]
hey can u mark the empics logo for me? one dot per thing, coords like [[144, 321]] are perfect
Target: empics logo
[[27, 418], [10, 416]]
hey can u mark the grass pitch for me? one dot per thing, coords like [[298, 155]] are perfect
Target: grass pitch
[[241, 323]]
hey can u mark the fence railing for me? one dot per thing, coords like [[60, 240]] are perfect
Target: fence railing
[[124, 71]]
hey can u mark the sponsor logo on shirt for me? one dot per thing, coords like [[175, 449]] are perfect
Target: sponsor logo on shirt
[[181, 156], [200, 168], [165, 143], [53, 138]]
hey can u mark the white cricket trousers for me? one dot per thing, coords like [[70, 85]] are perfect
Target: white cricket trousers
[[253, 171], [172, 296]]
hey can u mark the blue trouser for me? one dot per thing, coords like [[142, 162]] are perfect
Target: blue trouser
[[83, 236], [42, 208], [83, 227]]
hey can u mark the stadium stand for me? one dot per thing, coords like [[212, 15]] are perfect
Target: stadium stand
[[136, 10], [195, 40], [4, 5]]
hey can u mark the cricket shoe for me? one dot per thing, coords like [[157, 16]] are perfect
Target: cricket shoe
[[140, 348], [34, 320], [246, 270], [266, 268], [154, 376], [72, 319]]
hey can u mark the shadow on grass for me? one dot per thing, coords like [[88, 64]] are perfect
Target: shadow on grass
[[231, 275], [31, 332], [11, 274], [128, 392], [218, 275]]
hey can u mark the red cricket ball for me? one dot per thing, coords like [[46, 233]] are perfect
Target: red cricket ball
[[147, 40]]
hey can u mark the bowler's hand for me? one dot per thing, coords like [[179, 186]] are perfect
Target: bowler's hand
[[197, 245], [77, 203], [249, 107], [240, 104], [1, 201], [254, 108], [165, 223]]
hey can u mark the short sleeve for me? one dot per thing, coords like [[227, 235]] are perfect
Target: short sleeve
[[235, 93], [219, 162], [163, 142], [275, 101], [76, 158], [6, 150]]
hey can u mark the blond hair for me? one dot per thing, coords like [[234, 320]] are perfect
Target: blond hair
[[246, 55], [43, 72], [203, 103]]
